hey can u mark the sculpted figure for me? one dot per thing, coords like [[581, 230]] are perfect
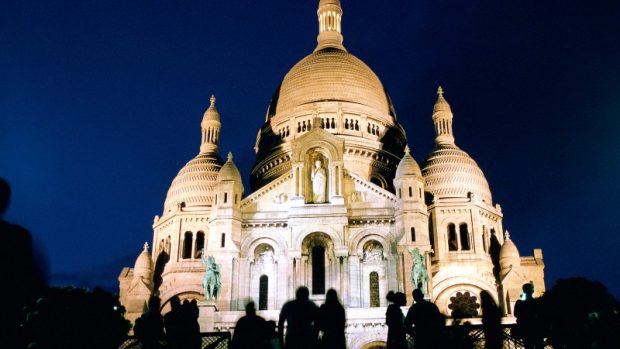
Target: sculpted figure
[[319, 179], [419, 274], [211, 281]]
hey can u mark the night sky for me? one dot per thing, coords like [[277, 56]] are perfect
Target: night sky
[[101, 103]]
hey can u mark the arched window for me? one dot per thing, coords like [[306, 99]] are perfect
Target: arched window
[[412, 234], [318, 269], [374, 289], [453, 244], [200, 244], [223, 242], [263, 292], [410, 192], [464, 234], [187, 245], [485, 239], [225, 197]]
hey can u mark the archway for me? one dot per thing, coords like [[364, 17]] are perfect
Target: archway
[[318, 267]]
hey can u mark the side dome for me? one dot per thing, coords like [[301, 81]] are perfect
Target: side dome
[[229, 171], [509, 254], [194, 184], [144, 264], [408, 166], [330, 74], [449, 172]]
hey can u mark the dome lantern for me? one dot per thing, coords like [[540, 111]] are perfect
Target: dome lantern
[[442, 118], [330, 29], [210, 129]]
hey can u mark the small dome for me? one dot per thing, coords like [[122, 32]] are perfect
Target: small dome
[[509, 254], [194, 183], [450, 172], [229, 171], [441, 105], [144, 263], [330, 74], [408, 166], [211, 114]]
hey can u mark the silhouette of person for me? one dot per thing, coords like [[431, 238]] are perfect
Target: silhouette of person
[[331, 322], [428, 322], [20, 272], [173, 322], [528, 318], [394, 319], [250, 331], [491, 321], [300, 316], [191, 328], [149, 328], [272, 339]]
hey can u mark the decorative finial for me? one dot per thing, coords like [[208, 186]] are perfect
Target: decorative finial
[[212, 99], [407, 149], [506, 235], [230, 156], [440, 91], [146, 246]]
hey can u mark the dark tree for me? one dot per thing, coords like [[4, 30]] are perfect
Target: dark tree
[[580, 313]]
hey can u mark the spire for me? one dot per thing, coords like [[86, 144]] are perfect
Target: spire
[[146, 247], [442, 118], [330, 29], [407, 151], [230, 156], [210, 128]]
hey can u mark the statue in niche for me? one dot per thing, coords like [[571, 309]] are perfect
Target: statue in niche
[[419, 273], [373, 253], [318, 177], [211, 281]]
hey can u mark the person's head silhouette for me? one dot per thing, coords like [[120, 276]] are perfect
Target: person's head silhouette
[[331, 297], [400, 299], [250, 308], [175, 303], [528, 290], [302, 293], [418, 295], [390, 296], [5, 195]]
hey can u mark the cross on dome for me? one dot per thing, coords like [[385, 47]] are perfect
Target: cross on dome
[[212, 99], [440, 91], [230, 156], [146, 246]]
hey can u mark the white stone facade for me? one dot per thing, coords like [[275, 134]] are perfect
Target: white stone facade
[[380, 205]]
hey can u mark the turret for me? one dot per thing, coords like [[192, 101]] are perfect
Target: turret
[[408, 182], [509, 258]]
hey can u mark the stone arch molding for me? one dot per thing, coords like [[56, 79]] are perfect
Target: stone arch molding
[[382, 235], [363, 339], [173, 291], [445, 287], [331, 146], [253, 240], [334, 235]]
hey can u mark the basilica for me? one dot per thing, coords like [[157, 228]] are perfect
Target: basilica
[[336, 200]]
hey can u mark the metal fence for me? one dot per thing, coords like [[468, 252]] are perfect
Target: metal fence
[[209, 340]]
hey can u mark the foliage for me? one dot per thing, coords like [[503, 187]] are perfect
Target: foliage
[[580, 313], [71, 317]]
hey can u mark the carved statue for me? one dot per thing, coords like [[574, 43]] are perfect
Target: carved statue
[[319, 179], [419, 273], [211, 281]]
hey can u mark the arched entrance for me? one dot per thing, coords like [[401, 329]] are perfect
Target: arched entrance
[[318, 273]]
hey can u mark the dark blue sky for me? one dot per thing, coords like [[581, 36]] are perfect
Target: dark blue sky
[[101, 102]]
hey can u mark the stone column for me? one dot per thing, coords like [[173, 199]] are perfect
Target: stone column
[[354, 283]]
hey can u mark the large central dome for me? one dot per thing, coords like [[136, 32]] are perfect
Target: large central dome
[[337, 88], [330, 74]]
